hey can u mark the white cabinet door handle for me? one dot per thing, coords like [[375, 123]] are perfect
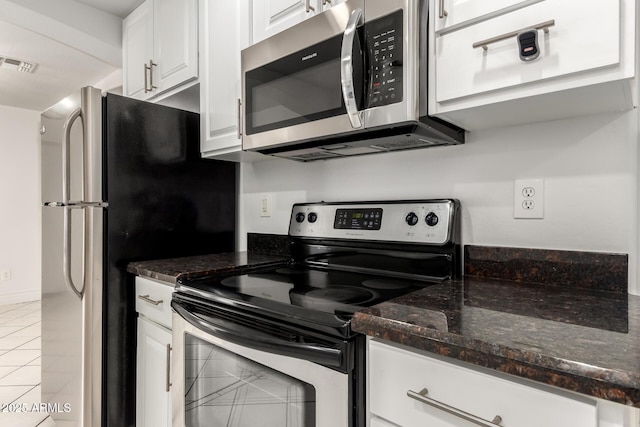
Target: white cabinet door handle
[[146, 298]]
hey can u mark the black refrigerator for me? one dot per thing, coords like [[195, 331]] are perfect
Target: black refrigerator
[[122, 181]]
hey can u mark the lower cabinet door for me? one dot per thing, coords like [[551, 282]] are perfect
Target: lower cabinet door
[[153, 396]]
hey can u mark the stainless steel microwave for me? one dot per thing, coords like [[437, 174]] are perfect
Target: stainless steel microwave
[[350, 80]]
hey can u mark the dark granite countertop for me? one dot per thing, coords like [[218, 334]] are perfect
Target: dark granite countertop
[[170, 270], [581, 340]]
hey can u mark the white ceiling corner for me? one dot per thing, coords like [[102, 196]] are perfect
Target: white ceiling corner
[[74, 43]]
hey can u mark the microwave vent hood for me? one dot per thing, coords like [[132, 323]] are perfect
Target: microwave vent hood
[[399, 137]]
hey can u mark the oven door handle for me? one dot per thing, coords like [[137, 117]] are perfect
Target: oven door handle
[[231, 332]]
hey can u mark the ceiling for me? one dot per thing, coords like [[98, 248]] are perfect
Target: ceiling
[[69, 52]]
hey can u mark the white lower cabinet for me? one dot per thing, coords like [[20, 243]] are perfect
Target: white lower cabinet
[[409, 388], [153, 364]]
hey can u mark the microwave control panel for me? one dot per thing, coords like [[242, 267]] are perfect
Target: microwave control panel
[[384, 42]]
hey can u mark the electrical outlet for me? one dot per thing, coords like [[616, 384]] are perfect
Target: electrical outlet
[[5, 275], [265, 205], [528, 199]]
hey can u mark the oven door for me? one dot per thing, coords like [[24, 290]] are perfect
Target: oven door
[[219, 382], [292, 82]]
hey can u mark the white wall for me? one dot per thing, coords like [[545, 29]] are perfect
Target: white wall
[[589, 166], [20, 204]]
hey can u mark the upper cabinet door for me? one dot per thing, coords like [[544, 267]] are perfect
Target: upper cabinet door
[[272, 16], [176, 42], [137, 51]]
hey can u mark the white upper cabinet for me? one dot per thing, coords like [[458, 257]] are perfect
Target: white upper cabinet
[[272, 16], [160, 47], [137, 51], [225, 31], [479, 80]]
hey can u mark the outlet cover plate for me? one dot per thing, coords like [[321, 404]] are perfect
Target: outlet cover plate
[[528, 199]]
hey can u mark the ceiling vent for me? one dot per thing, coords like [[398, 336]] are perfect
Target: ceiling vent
[[16, 64]]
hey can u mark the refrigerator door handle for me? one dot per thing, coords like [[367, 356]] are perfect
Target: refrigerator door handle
[[66, 254], [66, 189], [66, 149]]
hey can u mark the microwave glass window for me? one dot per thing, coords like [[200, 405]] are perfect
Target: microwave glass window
[[288, 97], [225, 389], [299, 88]]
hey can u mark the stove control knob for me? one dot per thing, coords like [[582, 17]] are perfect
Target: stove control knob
[[431, 219], [299, 217], [313, 217], [411, 219]]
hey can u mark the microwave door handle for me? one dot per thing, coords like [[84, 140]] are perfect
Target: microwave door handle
[[346, 69]]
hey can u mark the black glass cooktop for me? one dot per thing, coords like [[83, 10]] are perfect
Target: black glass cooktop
[[312, 293]]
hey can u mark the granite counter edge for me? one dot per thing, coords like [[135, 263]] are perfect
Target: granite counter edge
[[614, 389]]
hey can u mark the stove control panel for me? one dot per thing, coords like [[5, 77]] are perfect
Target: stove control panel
[[420, 221]]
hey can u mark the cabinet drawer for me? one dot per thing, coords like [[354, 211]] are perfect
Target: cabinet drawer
[[393, 372], [153, 300], [454, 12], [582, 39]]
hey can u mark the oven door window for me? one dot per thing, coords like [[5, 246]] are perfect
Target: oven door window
[[225, 389], [302, 87]]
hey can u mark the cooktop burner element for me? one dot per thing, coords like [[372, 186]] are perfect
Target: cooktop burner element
[[343, 294], [344, 257], [385, 283]]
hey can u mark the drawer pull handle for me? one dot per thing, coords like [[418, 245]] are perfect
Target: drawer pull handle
[[542, 26], [146, 298], [422, 397], [168, 372]]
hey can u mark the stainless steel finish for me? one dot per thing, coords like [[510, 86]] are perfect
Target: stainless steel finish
[[308, 6], [393, 226], [319, 27], [66, 256], [239, 118], [325, 2], [485, 17], [168, 370], [66, 153], [331, 386], [91, 103], [146, 298], [146, 78], [149, 68], [346, 69], [443, 11], [422, 397], [72, 321], [66, 190], [541, 26], [412, 128]]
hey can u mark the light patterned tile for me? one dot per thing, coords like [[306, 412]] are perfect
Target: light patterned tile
[[6, 370], [18, 357], [33, 331], [8, 330], [26, 375], [10, 342], [9, 394], [22, 419], [33, 344]]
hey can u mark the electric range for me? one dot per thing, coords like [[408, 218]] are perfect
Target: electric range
[[344, 257]]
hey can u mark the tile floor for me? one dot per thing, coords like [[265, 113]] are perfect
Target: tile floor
[[20, 365]]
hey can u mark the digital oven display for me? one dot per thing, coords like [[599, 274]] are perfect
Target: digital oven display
[[358, 219]]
